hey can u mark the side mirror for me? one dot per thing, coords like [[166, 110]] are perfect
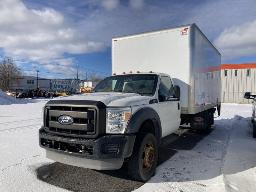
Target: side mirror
[[161, 98], [247, 95], [177, 91]]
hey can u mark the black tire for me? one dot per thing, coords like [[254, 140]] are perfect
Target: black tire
[[254, 131], [207, 121], [137, 168]]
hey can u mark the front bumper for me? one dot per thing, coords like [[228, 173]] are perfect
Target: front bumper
[[108, 148], [98, 164]]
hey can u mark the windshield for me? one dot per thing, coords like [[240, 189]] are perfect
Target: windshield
[[136, 83]]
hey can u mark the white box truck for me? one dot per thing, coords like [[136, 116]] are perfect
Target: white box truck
[[163, 80]]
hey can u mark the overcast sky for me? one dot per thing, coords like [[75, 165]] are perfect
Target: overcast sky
[[55, 36]]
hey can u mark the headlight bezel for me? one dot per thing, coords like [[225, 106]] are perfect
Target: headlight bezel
[[117, 119]]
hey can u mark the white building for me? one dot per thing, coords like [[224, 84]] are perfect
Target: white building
[[236, 80], [30, 82]]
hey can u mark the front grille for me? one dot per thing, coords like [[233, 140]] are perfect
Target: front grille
[[84, 120]]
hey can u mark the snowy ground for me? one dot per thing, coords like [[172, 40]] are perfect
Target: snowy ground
[[224, 160], [20, 153]]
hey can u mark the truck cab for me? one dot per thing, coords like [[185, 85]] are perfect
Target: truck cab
[[123, 120]]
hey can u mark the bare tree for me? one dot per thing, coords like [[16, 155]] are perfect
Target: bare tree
[[95, 77], [8, 72]]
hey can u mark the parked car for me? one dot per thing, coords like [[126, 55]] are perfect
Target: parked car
[[21, 94], [10, 93], [248, 95]]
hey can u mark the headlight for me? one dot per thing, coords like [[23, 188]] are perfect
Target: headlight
[[117, 119]]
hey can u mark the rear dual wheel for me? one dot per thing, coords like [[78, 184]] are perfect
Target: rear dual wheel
[[143, 162], [202, 123]]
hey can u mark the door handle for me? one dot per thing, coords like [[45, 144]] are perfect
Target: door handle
[[178, 105]]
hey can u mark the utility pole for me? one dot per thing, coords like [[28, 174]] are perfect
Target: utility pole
[[37, 84], [77, 71]]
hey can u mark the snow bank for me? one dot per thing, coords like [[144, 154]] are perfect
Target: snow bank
[[6, 99]]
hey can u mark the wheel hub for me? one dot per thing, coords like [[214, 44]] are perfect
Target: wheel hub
[[148, 156]]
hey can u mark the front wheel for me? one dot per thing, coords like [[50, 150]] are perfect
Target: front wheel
[[142, 164]]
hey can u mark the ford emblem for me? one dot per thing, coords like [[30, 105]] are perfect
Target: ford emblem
[[65, 120]]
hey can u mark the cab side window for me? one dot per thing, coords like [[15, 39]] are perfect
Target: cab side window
[[166, 89]]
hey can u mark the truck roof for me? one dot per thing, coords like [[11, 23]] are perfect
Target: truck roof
[[164, 30], [149, 32], [141, 73]]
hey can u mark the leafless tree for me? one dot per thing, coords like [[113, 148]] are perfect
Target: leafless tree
[[95, 77], [8, 72]]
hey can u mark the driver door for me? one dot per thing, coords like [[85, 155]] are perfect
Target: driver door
[[168, 106]]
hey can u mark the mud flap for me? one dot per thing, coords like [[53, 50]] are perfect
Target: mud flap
[[218, 109]]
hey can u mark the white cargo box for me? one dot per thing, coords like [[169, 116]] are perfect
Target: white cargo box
[[184, 53]]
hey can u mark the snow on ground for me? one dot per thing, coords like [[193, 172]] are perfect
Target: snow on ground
[[20, 154], [225, 160]]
